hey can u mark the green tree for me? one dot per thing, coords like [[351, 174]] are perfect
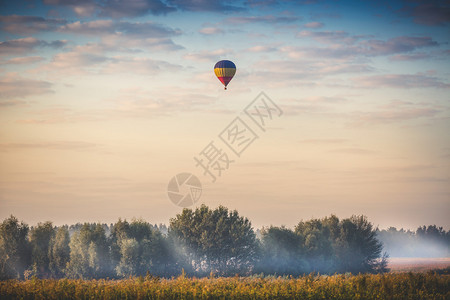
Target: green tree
[[281, 252], [89, 253], [317, 245], [15, 254], [40, 238], [59, 252], [359, 250], [215, 240], [141, 248]]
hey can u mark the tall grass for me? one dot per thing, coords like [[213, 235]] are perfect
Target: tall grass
[[364, 286]]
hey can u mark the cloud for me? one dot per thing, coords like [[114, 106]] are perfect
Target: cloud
[[261, 48], [206, 55], [102, 27], [24, 25], [93, 58], [61, 114], [211, 30], [313, 25], [26, 60], [126, 36], [400, 81], [327, 36], [76, 61], [341, 45], [389, 116], [134, 8], [207, 5], [114, 8], [80, 7], [269, 19], [136, 65], [324, 99], [139, 102], [396, 111], [294, 72], [25, 45], [11, 85], [330, 52], [56, 145], [409, 57], [353, 151], [9, 103], [428, 12], [323, 141], [399, 44]]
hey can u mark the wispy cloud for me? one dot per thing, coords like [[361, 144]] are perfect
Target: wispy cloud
[[268, 19], [12, 86], [399, 44], [55, 145], [136, 65], [81, 8], [342, 45], [11, 103], [22, 60], [328, 36], [209, 55], [211, 30], [396, 111], [354, 151], [313, 25], [207, 5], [323, 141], [139, 102], [27, 45], [102, 27], [400, 81], [114, 8], [126, 36], [25, 25], [261, 48], [409, 57], [134, 8], [427, 12]]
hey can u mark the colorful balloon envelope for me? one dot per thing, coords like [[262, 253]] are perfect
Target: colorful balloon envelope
[[225, 71]]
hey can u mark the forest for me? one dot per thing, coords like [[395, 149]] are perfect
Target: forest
[[202, 242]]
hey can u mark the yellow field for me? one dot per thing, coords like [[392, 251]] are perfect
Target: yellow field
[[381, 286]]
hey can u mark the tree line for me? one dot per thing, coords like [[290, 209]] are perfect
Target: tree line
[[426, 241], [199, 242]]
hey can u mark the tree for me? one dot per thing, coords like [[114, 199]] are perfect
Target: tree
[[214, 240], [15, 254], [40, 238], [89, 253], [281, 252], [360, 251], [317, 244], [141, 248], [59, 252]]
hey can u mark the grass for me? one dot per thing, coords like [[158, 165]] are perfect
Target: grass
[[363, 286]]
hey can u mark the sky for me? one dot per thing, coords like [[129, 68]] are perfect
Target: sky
[[102, 103]]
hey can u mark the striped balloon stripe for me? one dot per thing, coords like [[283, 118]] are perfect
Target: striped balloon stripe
[[225, 64], [224, 72], [225, 80]]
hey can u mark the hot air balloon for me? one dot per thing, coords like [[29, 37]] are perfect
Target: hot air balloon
[[225, 71]]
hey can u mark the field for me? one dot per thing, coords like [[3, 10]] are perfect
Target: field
[[388, 286], [414, 264]]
